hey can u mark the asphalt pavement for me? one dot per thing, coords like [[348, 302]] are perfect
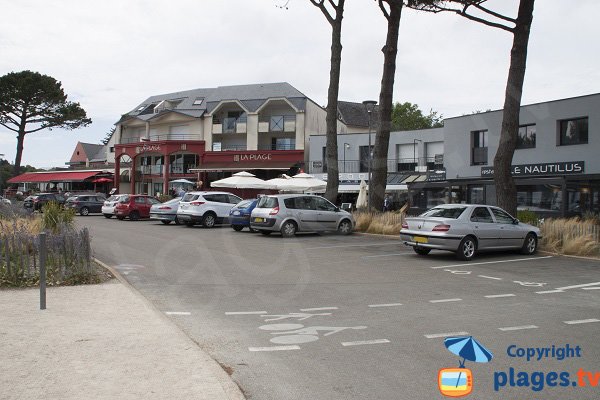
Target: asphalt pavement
[[333, 317]]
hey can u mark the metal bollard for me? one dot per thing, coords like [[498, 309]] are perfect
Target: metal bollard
[[42, 271]]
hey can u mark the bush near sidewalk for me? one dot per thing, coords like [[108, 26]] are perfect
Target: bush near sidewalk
[[383, 223], [68, 260]]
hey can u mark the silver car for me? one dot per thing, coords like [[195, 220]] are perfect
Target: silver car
[[467, 229], [108, 208], [166, 212], [291, 213]]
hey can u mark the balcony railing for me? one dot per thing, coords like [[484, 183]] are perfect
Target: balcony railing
[[276, 123], [393, 165], [181, 169], [161, 137], [229, 147], [150, 170], [277, 147]]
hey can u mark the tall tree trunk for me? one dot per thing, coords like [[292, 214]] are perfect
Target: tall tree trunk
[[506, 190], [382, 137], [20, 141], [331, 151]]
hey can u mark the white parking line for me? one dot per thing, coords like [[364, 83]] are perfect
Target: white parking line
[[489, 277], [388, 255], [444, 300], [550, 291], [492, 262], [274, 348], [582, 321], [178, 313], [364, 342], [246, 313], [518, 328], [591, 288], [495, 296], [318, 309], [578, 286], [439, 335], [385, 305], [352, 245]]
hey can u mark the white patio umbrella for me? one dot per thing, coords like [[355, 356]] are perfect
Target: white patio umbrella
[[303, 183], [275, 182], [184, 181], [241, 180], [361, 201]]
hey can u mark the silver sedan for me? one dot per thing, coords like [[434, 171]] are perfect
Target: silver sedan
[[467, 229], [166, 212]]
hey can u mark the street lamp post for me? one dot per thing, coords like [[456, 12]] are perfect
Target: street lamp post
[[346, 146], [415, 151], [369, 106]]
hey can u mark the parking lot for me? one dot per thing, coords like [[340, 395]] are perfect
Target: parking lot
[[357, 316]]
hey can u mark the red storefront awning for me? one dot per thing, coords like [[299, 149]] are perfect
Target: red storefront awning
[[63, 176]]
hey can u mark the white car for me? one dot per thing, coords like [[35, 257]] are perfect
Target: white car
[[108, 208], [206, 208], [4, 200]]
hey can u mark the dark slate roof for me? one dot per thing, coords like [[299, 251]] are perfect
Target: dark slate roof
[[100, 154], [250, 96], [355, 114], [91, 149]]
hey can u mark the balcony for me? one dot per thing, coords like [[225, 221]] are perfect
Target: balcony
[[219, 146], [393, 165], [287, 146], [277, 123], [160, 137], [155, 170], [229, 125], [181, 169]]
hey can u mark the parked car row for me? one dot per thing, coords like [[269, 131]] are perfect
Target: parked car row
[[287, 214]]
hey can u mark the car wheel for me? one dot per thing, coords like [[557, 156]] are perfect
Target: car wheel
[[107, 215], [209, 220], [345, 227], [120, 218], [134, 215], [288, 229], [421, 251], [165, 222], [530, 244], [84, 211], [466, 249], [237, 228], [177, 221], [252, 230], [266, 233]]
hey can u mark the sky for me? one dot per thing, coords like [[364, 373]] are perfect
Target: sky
[[113, 54]]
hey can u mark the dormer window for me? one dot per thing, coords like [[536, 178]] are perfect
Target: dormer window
[[141, 108], [198, 101]]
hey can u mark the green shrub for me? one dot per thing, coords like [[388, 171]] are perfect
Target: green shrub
[[528, 217], [55, 216], [163, 198]]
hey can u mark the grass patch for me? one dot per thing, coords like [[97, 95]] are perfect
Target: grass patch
[[388, 223], [572, 236]]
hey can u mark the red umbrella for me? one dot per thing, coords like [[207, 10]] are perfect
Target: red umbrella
[[102, 180]]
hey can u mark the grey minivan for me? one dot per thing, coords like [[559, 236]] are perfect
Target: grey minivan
[[291, 213]]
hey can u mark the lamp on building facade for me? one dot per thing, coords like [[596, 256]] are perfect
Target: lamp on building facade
[[369, 106]]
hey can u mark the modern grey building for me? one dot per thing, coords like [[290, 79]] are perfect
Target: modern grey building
[[556, 165]]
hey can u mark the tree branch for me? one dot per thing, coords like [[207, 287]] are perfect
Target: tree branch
[[320, 4], [8, 127], [386, 14]]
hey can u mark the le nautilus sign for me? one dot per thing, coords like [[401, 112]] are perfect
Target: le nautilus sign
[[557, 168]]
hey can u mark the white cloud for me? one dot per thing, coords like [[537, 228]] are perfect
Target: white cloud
[[111, 55]]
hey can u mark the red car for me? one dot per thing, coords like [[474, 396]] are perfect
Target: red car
[[134, 206]]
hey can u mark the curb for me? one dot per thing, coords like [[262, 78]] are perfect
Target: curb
[[230, 387]]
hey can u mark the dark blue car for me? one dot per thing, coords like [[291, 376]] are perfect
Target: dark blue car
[[239, 216]]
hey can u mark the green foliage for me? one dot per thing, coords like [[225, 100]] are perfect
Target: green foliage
[[108, 136], [30, 102], [163, 198], [55, 216], [528, 217], [407, 116]]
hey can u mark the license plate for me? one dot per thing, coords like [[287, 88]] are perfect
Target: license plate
[[259, 220], [420, 239]]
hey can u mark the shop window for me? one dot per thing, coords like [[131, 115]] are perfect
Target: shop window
[[573, 131], [526, 138], [476, 194], [479, 147]]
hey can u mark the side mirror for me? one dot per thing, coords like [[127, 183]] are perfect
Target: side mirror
[[337, 209], [516, 221]]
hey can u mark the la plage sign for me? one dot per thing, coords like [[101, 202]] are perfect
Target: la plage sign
[[252, 157], [557, 168]]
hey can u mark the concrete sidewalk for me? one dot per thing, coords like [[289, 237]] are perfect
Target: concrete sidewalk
[[100, 342]]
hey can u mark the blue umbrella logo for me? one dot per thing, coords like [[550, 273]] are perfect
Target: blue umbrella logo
[[469, 349]]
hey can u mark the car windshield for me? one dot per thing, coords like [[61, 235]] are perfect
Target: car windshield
[[189, 197], [113, 198], [267, 202], [173, 201], [243, 204], [453, 212], [124, 199]]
